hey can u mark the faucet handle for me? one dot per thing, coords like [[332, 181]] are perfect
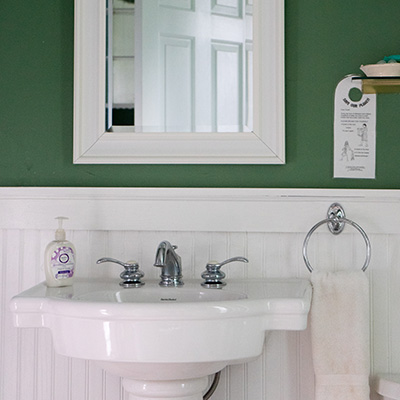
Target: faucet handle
[[213, 275], [131, 276]]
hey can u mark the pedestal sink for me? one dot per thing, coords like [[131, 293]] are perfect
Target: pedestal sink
[[164, 342]]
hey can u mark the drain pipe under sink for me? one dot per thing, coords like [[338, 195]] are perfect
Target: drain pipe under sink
[[213, 386]]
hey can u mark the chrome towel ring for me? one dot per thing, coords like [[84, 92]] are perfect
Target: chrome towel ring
[[336, 219]]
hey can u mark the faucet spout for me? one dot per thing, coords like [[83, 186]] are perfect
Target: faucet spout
[[170, 263]]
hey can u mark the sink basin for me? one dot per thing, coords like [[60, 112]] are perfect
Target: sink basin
[[158, 334]]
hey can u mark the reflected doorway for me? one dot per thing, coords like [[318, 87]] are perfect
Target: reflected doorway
[[180, 65]]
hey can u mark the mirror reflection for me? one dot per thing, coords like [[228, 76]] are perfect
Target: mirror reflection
[[180, 65]]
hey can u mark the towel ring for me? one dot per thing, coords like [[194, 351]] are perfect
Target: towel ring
[[337, 221]]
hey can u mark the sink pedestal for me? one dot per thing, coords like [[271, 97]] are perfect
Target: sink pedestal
[[184, 389]]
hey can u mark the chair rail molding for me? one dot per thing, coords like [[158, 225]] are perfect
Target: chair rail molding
[[195, 209]]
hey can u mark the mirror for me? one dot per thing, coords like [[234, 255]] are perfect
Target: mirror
[[255, 133]]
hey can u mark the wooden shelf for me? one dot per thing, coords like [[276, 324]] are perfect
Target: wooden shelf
[[375, 85]]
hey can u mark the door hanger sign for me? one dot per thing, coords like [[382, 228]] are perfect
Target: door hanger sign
[[354, 132]]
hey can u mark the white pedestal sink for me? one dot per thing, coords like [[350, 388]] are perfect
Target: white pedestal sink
[[163, 341]]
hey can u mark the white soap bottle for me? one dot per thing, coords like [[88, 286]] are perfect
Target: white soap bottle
[[59, 259]]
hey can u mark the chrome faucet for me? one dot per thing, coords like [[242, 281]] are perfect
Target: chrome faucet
[[170, 264]]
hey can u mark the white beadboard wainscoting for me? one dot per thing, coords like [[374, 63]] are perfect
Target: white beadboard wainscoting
[[266, 225]]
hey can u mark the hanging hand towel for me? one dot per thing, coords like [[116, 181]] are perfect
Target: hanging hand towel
[[340, 335]]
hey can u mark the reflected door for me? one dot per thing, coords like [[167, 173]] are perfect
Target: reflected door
[[193, 65]]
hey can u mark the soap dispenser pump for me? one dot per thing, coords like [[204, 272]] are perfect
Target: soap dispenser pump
[[59, 259]]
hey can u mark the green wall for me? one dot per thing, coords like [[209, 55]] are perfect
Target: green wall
[[325, 40]]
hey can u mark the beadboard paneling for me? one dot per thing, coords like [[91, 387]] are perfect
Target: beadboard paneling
[[30, 369]]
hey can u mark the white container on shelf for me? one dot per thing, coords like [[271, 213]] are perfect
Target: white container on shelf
[[381, 70]]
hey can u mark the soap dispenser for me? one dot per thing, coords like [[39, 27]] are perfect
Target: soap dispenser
[[59, 259]]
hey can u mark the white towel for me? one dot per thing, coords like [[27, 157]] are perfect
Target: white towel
[[340, 335]]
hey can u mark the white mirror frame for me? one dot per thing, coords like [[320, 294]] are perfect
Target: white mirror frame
[[94, 145]]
